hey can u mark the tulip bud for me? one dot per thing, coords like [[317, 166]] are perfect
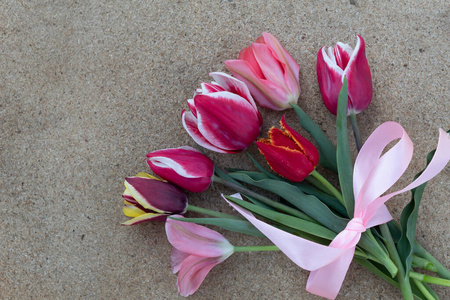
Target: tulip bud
[[223, 116], [196, 250], [269, 71], [186, 167], [288, 153], [342, 61], [147, 198]]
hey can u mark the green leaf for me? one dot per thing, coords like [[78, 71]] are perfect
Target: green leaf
[[343, 158], [327, 151], [241, 226], [261, 168], [309, 204], [408, 221], [329, 200], [287, 220]]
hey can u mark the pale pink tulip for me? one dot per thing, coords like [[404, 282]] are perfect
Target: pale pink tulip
[[223, 117], [269, 71], [185, 166], [342, 61], [196, 250]]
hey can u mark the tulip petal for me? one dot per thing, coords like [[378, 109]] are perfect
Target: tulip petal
[[234, 86], [211, 88], [247, 55], [146, 218], [192, 273], [329, 76], [359, 79], [290, 66], [227, 120], [176, 259], [291, 164], [307, 147], [196, 239], [263, 90], [132, 211], [157, 195], [270, 66], [191, 105], [282, 55], [342, 54], [279, 138], [190, 124]]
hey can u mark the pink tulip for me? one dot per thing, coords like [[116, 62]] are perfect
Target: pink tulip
[[186, 167], [196, 250], [342, 61], [147, 198], [269, 71], [223, 115]]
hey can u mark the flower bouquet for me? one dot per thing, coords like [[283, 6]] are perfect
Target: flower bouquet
[[320, 227]]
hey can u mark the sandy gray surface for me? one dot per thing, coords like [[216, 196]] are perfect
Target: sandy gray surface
[[88, 88]]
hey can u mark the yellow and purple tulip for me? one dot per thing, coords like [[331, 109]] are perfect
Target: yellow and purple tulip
[[223, 117], [186, 167], [269, 71], [147, 198], [288, 153], [196, 250], [342, 61]]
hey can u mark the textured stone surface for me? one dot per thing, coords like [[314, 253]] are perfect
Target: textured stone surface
[[88, 88]]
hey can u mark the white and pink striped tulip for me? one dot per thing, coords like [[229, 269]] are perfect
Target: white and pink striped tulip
[[223, 117], [342, 61], [269, 71], [185, 166], [196, 250]]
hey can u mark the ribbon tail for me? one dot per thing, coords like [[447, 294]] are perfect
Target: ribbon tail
[[306, 254], [327, 281]]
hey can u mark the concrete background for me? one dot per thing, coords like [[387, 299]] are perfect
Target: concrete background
[[88, 88]]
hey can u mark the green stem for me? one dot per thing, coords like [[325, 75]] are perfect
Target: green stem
[[405, 285], [329, 186], [429, 279], [371, 245], [423, 290], [419, 262], [212, 213], [256, 248], [356, 131], [265, 200], [440, 269]]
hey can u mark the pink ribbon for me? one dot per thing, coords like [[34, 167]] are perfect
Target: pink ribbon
[[373, 174]]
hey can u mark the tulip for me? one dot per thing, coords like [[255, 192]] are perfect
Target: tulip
[[147, 198], [223, 115], [288, 153], [196, 250], [186, 167], [269, 71], [342, 61]]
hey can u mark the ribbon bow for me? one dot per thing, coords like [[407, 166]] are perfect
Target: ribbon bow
[[373, 174]]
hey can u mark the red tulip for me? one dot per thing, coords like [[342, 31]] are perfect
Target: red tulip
[[342, 61], [288, 153]]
